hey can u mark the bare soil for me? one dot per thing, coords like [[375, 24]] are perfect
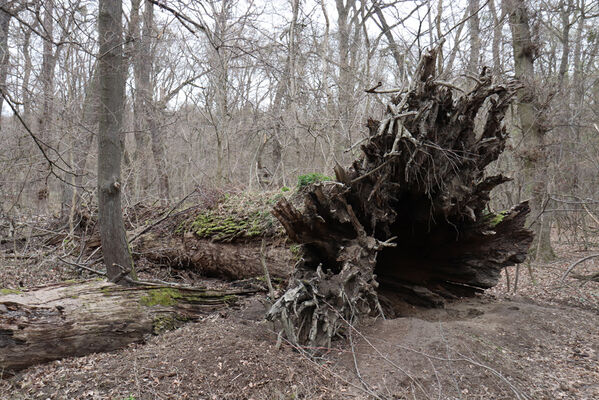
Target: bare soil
[[540, 343]]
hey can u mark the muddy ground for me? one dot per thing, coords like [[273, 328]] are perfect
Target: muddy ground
[[540, 343]]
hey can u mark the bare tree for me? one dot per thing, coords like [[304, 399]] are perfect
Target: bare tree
[[533, 158], [115, 249]]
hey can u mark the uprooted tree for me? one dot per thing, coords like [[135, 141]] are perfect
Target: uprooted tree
[[409, 220]]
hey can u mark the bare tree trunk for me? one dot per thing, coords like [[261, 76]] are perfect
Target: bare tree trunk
[[47, 76], [115, 248], [152, 109], [532, 155], [474, 26], [497, 36], [25, 89], [566, 25], [159, 153], [141, 76], [397, 56], [345, 91], [4, 51], [83, 140], [285, 87]]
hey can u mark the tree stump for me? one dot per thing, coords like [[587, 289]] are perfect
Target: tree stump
[[409, 220]]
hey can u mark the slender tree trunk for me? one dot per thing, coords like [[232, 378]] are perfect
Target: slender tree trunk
[[47, 78], [497, 37], [26, 75], [452, 55], [115, 248], [533, 160], [83, 140], [152, 109], [4, 52], [566, 25], [141, 75], [397, 56], [159, 153], [474, 26], [439, 34], [345, 92]]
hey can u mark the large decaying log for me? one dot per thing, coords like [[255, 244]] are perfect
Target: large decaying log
[[228, 261], [409, 220], [74, 319]]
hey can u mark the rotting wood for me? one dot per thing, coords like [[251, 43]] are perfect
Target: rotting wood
[[409, 220], [78, 318]]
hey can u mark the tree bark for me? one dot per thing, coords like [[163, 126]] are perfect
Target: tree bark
[[533, 159], [409, 221], [75, 319], [497, 37], [474, 25], [112, 94], [209, 258], [47, 78], [5, 18]]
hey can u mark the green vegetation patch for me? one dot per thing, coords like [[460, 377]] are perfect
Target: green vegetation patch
[[494, 219], [304, 180], [167, 322], [240, 216], [10, 291], [229, 227], [163, 297], [497, 218], [171, 296]]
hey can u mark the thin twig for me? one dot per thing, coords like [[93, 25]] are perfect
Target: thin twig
[[574, 264], [271, 291], [168, 214]]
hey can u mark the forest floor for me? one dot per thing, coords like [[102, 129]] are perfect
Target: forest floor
[[541, 342]]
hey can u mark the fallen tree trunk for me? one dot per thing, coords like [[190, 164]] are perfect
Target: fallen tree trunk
[[221, 241], [223, 260], [74, 319], [409, 220]]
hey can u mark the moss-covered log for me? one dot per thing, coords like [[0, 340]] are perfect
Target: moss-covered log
[[74, 319], [409, 220], [222, 240]]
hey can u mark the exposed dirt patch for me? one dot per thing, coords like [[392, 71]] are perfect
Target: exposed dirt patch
[[480, 349]]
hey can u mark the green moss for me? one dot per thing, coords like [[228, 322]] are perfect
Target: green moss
[[228, 227], [170, 297], [497, 218], [167, 322], [10, 291], [237, 216], [304, 180], [296, 251], [107, 290], [162, 297]]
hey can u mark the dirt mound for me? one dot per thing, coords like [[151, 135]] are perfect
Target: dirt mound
[[480, 349]]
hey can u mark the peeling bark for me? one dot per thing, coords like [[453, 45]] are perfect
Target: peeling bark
[[75, 319]]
